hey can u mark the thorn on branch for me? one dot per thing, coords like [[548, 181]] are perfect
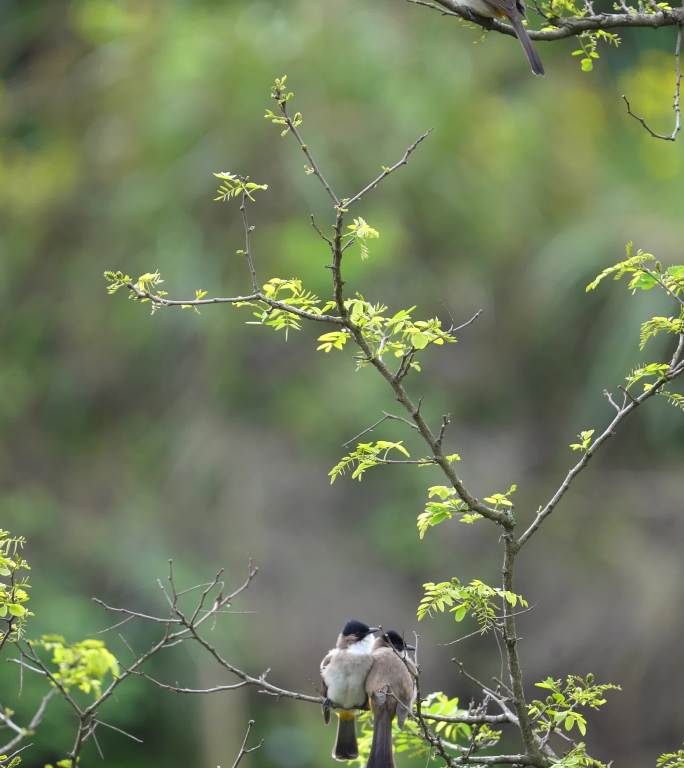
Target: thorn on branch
[[446, 420]]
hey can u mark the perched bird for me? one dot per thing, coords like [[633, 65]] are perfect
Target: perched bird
[[514, 11], [391, 691], [343, 674]]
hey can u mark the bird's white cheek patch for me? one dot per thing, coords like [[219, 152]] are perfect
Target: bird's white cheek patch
[[363, 646]]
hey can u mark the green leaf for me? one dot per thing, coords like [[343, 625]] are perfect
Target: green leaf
[[419, 340], [366, 456], [441, 491]]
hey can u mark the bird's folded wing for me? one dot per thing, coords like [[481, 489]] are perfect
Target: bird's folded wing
[[326, 660]]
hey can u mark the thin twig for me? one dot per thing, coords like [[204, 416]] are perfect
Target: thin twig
[[119, 730], [676, 101], [179, 689], [387, 171], [282, 103], [366, 431], [244, 749], [467, 322], [248, 248]]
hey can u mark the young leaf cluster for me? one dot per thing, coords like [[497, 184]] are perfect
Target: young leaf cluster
[[360, 231], [584, 438], [588, 50], [398, 335], [14, 587], [499, 500], [657, 371], [578, 758], [84, 665], [560, 708], [147, 283], [233, 186], [476, 599], [645, 272], [673, 398], [448, 505], [671, 759], [290, 292], [651, 328], [281, 95], [367, 455]]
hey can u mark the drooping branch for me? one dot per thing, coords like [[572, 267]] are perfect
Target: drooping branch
[[676, 106]]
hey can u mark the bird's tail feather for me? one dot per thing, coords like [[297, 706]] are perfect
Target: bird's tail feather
[[530, 51], [381, 749], [346, 747]]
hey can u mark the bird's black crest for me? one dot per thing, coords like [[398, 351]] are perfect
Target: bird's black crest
[[355, 627], [396, 639]]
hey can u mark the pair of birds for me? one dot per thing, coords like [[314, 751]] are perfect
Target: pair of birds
[[364, 671]]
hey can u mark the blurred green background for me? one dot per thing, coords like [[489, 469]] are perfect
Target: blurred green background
[[128, 439]]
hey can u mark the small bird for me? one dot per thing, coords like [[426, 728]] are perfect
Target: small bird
[[514, 11], [343, 674], [391, 691]]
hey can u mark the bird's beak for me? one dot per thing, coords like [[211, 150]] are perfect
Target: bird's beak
[[409, 647], [373, 630]]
